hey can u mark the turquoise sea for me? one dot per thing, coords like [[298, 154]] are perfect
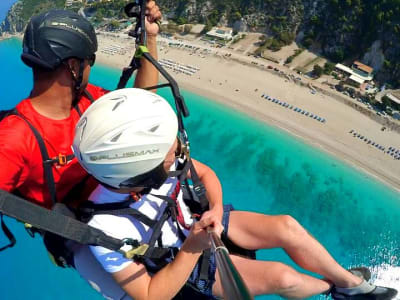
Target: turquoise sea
[[261, 169]]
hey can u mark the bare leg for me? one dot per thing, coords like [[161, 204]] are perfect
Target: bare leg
[[264, 277], [257, 231]]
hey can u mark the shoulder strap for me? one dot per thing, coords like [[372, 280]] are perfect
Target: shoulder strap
[[89, 209], [8, 234], [47, 167], [54, 222], [198, 187], [89, 96]]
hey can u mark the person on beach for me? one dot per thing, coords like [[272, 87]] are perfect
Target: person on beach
[[59, 46], [131, 155]]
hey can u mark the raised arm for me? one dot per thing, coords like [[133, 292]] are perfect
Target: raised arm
[[147, 74]]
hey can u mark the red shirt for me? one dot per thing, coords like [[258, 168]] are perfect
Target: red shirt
[[21, 160]]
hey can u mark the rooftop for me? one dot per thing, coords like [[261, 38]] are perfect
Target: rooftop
[[363, 67]]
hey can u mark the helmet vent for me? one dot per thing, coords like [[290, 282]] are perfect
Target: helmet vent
[[154, 128], [115, 138], [118, 104], [82, 124]]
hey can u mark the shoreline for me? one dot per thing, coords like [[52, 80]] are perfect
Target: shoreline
[[239, 86], [225, 85], [324, 147]]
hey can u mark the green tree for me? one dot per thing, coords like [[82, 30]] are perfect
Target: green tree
[[114, 24], [318, 71], [328, 68]]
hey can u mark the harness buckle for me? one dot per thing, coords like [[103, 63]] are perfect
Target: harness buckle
[[62, 159], [200, 190], [137, 249]]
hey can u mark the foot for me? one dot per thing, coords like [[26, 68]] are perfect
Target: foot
[[364, 291], [362, 272]]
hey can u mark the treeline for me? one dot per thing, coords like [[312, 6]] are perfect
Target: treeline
[[34, 7], [342, 30], [348, 28], [111, 9]]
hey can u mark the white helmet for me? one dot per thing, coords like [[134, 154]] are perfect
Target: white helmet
[[123, 138]]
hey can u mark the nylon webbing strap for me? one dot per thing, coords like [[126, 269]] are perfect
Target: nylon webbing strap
[[8, 234], [47, 168], [56, 223], [199, 188], [88, 95], [127, 211]]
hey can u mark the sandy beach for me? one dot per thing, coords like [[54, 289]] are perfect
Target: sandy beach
[[240, 85]]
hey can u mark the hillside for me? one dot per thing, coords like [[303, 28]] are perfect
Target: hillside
[[341, 30]]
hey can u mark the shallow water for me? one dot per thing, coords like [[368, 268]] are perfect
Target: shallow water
[[261, 169]]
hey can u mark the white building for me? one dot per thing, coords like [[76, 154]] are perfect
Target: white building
[[222, 33], [394, 98], [355, 75]]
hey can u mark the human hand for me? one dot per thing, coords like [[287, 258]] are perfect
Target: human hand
[[216, 215], [198, 239], [153, 15]]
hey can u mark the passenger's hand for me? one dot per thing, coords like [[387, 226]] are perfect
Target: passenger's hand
[[153, 14], [198, 239], [216, 216]]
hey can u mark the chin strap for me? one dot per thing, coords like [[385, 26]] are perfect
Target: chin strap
[[77, 80]]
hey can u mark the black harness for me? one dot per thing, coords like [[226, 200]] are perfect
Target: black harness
[[48, 164]]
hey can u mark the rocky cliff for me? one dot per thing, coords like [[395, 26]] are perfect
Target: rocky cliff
[[13, 22], [341, 30]]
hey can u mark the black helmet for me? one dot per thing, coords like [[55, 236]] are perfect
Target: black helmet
[[56, 35]]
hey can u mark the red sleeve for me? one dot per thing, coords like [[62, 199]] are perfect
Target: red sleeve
[[15, 149]]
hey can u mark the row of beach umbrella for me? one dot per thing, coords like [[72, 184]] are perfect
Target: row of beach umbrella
[[391, 150], [296, 109]]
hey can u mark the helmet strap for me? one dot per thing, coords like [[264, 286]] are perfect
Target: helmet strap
[[77, 79]]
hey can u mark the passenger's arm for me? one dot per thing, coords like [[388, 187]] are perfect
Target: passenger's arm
[[147, 74], [212, 185], [167, 282]]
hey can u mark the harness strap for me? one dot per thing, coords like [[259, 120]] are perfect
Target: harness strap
[[122, 211], [48, 220], [88, 95], [8, 233], [205, 265], [47, 168], [141, 251], [199, 188], [47, 161], [157, 227]]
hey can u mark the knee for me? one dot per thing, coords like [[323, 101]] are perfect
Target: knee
[[290, 229], [287, 281]]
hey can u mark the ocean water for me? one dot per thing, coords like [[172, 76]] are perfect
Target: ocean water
[[261, 168]]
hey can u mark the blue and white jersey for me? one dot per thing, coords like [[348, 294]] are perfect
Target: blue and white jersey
[[125, 226]]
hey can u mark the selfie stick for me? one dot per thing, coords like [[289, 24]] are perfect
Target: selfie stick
[[232, 283]]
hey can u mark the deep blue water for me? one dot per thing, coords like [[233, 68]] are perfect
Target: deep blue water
[[261, 169]]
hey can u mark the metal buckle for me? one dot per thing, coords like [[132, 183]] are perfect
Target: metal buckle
[[62, 159]]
